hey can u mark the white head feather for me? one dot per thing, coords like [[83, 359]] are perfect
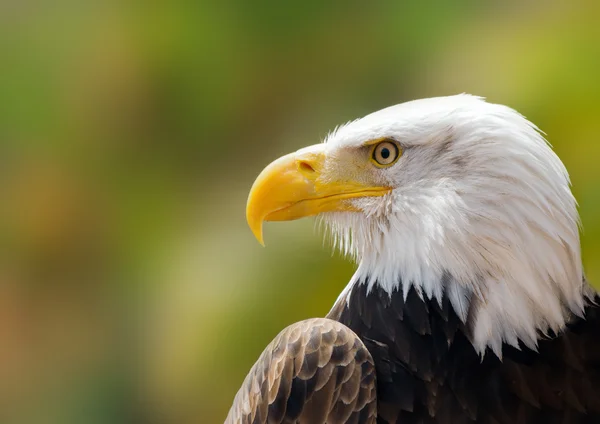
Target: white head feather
[[480, 196]]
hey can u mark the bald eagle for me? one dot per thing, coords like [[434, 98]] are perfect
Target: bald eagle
[[469, 303]]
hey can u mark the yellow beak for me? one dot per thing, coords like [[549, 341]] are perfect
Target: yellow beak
[[297, 185]]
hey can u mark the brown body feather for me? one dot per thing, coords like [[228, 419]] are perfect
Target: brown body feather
[[425, 370], [429, 373]]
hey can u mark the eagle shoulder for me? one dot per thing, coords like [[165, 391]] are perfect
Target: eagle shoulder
[[314, 371]]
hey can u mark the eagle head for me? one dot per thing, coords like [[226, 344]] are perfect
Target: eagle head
[[451, 196]]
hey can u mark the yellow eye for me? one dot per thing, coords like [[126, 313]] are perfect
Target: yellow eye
[[385, 153]]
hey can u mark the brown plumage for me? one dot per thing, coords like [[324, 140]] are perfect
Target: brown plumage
[[414, 363], [314, 371]]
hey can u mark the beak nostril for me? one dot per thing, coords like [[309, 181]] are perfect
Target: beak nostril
[[304, 166]]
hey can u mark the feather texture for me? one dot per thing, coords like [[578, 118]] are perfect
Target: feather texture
[[314, 371], [429, 372]]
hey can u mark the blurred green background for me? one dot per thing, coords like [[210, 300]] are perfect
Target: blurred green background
[[131, 289]]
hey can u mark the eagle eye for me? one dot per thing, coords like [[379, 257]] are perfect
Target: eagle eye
[[385, 153]]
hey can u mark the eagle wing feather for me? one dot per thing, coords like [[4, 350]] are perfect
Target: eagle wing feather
[[314, 371]]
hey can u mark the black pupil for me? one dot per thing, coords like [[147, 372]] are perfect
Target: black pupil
[[385, 153]]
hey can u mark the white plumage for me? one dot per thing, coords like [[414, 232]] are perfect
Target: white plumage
[[479, 194]]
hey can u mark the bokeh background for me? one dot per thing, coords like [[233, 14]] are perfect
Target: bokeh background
[[131, 290]]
